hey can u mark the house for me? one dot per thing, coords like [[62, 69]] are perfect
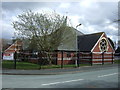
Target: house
[[8, 54]]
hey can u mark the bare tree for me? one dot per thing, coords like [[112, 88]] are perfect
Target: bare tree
[[43, 30], [5, 43]]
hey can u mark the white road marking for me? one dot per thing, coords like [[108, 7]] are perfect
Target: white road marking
[[62, 82], [107, 75]]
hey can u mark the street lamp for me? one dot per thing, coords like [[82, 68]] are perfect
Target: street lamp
[[78, 25], [76, 62]]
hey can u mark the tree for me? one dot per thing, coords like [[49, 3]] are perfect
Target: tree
[[111, 42], [118, 50], [44, 31], [5, 43]]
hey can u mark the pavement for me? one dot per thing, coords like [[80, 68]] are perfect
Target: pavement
[[57, 70]]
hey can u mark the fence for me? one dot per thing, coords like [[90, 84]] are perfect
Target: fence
[[103, 58], [62, 57]]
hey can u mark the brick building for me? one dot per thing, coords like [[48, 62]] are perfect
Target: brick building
[[90, 48], [8, 54]]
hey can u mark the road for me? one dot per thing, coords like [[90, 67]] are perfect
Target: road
[[104, 78]]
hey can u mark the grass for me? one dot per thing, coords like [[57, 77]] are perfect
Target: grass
[[26, 65], [117, 61], [19, 65]]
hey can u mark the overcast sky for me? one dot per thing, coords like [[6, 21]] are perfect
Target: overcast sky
[[94, 16]]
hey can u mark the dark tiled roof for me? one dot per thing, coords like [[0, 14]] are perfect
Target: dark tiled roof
[[87, 42]]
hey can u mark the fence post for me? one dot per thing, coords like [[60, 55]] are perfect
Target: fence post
[[78, 62], [15, 57], [102, 58], [112, 57], [62, 59], [91, 58]]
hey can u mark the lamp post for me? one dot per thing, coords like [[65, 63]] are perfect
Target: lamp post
[[76, 62]]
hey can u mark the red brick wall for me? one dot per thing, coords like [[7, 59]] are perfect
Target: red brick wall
[[97, 49], [66, 62], [107, 57], [66, 59], [97, 58]]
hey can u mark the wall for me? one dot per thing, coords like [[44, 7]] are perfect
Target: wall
[[97, 54], [68, 58]]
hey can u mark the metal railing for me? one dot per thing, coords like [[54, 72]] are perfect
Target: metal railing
[[63, 57]]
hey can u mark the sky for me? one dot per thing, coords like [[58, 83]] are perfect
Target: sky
[[94, 16]]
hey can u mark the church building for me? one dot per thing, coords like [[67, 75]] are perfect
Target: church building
[[92, 48]]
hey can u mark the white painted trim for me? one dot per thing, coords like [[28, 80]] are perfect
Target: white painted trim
[[107, 40], [10, 46], [74, 58], [101, 59], [101, 52], [109, 43], [96, 59], [108, 59], [96, 43]]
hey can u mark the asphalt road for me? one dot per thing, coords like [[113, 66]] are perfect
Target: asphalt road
[[103, 78]]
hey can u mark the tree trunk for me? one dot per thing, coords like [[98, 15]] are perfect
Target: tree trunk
[[49, 57]]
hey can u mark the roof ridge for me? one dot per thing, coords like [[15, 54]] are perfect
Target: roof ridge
[[99, 33], [75, 29]]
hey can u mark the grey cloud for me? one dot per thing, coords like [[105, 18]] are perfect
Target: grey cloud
[[94, 16], [11, 6]]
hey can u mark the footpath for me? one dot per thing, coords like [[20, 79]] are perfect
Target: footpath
[[57, 71]]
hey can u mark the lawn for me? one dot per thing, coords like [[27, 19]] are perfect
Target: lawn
[[26, 65], [117, 61], [19, 65]]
